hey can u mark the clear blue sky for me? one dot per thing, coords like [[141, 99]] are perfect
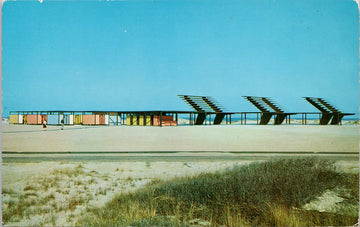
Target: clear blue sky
[[138, 55]]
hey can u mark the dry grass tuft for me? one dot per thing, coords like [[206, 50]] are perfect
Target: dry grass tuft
[[268, 193]]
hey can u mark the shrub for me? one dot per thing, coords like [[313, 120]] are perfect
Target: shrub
[[262, 193]]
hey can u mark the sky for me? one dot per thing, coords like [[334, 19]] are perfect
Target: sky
[[139, 55]]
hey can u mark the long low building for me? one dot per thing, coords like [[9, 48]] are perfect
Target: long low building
[[205, 107], [141, 118]]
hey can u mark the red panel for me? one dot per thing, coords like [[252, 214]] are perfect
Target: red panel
[[101, 119], [166, 121]]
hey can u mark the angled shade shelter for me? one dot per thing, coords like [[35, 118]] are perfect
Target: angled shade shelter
[[280, 113], [204, 105], [268, 108], [328, 111], [261, 105]]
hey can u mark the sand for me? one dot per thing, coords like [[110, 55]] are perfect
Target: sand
[[137, 155], [270, 138], [99, 182]]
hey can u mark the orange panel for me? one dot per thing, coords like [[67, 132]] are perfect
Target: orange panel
[[88, 119], [101, 119], [34, 119], [156, 120]]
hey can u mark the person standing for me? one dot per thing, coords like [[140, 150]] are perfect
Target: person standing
[[44, 124], [62, 124]]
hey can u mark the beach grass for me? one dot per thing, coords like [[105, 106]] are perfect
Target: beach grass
[[269, 193]]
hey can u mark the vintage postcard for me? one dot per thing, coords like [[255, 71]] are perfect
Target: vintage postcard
[[180, 113]]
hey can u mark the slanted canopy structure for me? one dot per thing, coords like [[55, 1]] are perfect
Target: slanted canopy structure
[[204, 105], [268, 108], [327, 110]]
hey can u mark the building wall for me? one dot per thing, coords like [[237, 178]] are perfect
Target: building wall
[[134, 120], [78, 119], [14, 119], [68, 119], [106, 119], [34, 119], [91, 119], [88, 119], [165, 121], [131, 120], [53, 119], [128, 119], [113, 120], [21, 119], [43, 118], [147, 120], [101, 119]]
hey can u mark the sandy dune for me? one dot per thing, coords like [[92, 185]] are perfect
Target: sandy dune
[[290, 138], [81, 180]]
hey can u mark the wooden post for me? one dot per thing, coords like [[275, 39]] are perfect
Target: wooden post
[[289, 119], [339, 119], [160, 119]]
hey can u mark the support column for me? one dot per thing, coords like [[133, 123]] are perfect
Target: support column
[[160, 119], [302, 118]]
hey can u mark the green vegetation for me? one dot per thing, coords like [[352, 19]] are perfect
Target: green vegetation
[[355, 122], [270, 193], [282, 192]]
